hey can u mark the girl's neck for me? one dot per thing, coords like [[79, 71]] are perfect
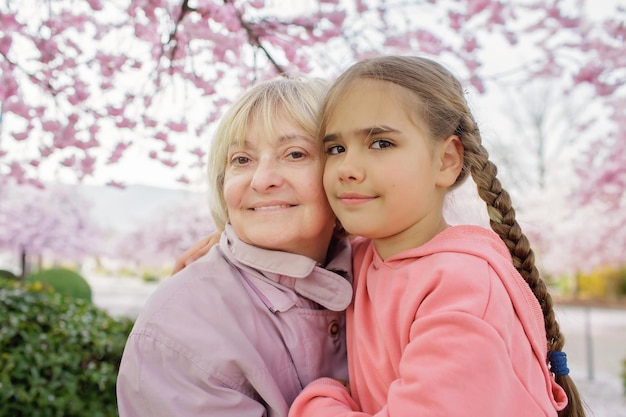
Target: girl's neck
[[410, 238]]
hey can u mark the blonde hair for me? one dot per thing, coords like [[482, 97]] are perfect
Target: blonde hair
[[297, 99], [439, 101]]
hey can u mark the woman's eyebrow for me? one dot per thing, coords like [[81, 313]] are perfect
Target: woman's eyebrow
[[292, 136]]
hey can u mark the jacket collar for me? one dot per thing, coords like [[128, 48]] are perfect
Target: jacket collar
[[329, 286]]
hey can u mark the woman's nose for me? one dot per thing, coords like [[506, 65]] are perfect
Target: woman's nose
[[267, 175]]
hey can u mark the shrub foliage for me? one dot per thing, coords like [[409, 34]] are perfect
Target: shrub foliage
[[7, 274], [63, 281], [59, 356]]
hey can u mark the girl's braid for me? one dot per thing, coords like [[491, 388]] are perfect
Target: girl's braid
[[503, 222]]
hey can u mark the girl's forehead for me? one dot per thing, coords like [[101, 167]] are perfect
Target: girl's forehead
[[370, 103], [371, 91]]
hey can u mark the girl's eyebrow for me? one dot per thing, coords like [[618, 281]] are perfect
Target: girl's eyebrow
[[365, 132]]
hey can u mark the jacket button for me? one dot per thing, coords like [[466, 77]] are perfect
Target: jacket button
[[333, 328]]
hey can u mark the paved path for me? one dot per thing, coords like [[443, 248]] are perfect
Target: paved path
[[595, 340]]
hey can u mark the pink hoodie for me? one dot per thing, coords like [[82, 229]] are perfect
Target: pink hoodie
[[446, 329]]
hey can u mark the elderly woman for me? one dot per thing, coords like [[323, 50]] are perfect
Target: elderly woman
[[241, 331]]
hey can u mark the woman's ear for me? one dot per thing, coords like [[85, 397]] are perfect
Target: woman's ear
[[451, 161]]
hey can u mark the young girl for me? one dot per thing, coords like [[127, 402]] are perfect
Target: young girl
[[445, 321]]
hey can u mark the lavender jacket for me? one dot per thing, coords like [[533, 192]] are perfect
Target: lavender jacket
[[239, 332]]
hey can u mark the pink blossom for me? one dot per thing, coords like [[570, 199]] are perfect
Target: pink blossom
[[8, 86], [456, 20], [46, 151], [17, 172], [125, 123], [336, 17], [470, 44], [177, 126], [115, 111], [118, 152], [474, 7], [21, 136], [51, 126], [87, 165], [95, 4], [478, 84], [400, 42], [168, 162], [9, 23], [198, 152], [428, 42], [69, 162], [149, 122], [5, 45], [18, 107], [589, 73]]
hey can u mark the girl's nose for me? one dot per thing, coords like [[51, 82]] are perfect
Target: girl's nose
[[350, 168], [267, 175]]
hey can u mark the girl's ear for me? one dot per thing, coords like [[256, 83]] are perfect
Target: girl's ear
[[451, 161]]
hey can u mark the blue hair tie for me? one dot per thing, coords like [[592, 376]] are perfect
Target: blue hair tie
[[558, 363]]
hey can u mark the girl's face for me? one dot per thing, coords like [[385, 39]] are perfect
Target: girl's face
[[273, 191], [384, 177]]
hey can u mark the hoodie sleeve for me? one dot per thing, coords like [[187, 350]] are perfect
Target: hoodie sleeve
[[324, 397]]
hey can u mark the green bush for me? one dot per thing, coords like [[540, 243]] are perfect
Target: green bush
[[7, 274], [64, 281], [59, 356]]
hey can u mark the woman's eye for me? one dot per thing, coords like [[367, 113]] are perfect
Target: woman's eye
[[296, 155], [381, 144], [240, 160], [334, 149]]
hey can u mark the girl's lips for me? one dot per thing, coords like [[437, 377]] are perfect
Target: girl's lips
[[353, 199]]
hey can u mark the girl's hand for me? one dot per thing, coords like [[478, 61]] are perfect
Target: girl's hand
[[197, 250]]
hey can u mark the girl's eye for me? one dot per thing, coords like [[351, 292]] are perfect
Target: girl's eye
[[381, 144], [334, 150]]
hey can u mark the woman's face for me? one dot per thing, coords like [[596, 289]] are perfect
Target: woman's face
[[273, 190]]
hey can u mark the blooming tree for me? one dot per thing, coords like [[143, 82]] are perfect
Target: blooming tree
[[81, 82], [85, 83]]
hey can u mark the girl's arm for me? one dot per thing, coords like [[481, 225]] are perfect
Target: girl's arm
[[196, 251]]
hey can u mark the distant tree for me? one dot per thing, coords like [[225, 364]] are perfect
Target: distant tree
[[542, 133], [160, 239], [53, 221]]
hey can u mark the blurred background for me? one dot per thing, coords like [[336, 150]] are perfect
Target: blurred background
[[107, 109]]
